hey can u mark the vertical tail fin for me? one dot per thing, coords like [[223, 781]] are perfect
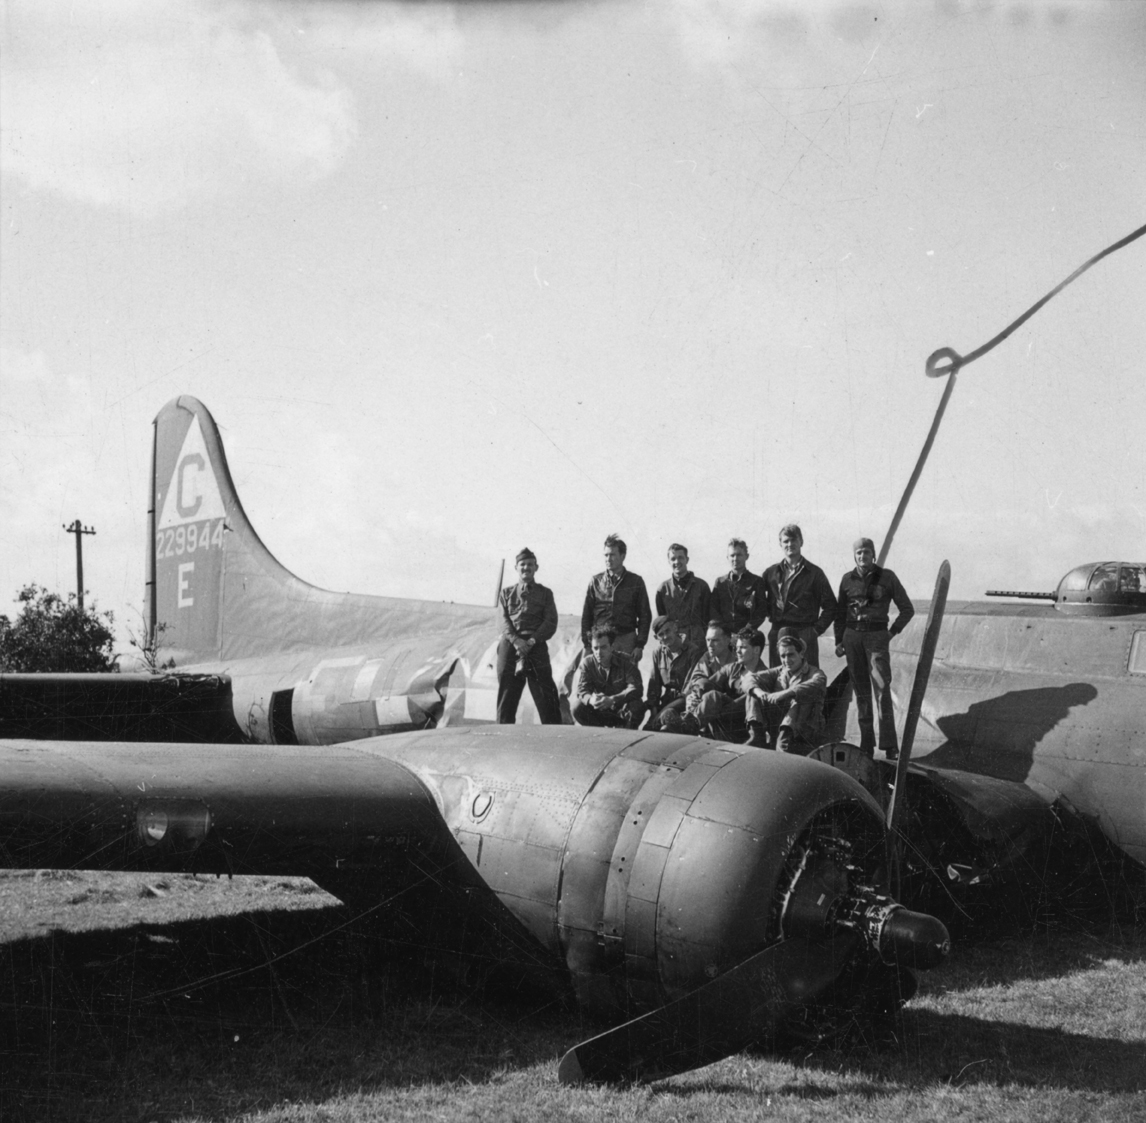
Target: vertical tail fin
[[194, 510], [214, 591], [215, 594]]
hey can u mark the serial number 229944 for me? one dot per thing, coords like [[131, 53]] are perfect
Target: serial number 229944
[[177, 541]]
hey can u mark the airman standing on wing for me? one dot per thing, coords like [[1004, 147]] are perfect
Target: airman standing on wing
[[863, 636], [684, 597], [618, 598], [801, 601], [529, 618], [739, 598]]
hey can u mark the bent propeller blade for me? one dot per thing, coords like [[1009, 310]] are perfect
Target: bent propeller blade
[[713, 1021]]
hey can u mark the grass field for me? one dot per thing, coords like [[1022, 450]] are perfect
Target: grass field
[[128, 997]]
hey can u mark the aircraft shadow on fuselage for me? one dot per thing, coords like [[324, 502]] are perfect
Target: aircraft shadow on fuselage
[[999, 736]]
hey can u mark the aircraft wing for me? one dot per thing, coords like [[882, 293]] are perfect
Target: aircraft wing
[[242, 809], [636, 869]]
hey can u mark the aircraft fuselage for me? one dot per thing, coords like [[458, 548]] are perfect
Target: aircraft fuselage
[[1029, 694]]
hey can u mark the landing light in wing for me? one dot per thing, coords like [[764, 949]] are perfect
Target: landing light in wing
[[181, 825]]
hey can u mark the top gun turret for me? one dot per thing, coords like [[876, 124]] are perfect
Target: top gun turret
[[1106, 588]]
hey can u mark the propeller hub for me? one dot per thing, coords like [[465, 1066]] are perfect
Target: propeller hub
[[824, 899], [914, 939]]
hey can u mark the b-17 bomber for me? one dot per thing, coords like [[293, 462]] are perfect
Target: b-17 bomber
[[696, 894]]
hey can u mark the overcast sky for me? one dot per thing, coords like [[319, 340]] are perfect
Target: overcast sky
[[455, 279]]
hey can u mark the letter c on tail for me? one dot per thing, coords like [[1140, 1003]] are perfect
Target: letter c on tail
[[184, 485]]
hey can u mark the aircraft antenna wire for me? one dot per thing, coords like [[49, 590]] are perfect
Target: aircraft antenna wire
[[954, 361]]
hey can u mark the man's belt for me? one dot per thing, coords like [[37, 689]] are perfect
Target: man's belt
[[868, 625]]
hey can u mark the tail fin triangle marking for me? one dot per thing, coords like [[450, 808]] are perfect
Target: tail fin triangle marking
[[193, 492]]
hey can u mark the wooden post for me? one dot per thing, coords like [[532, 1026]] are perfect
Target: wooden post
[[79, 530]]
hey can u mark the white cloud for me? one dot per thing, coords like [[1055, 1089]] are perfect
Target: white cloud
[[423, 38], [24, 366], [58, 463], [723, 32], [718, 31], [146, 106]]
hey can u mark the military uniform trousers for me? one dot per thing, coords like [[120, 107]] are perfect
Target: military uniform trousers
[[512, 675], [869, 666], [722, 715], [627, 716], [789, 724], [668, 715]]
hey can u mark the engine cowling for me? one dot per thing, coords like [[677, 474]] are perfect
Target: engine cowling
[[652, 864], [704, 853]]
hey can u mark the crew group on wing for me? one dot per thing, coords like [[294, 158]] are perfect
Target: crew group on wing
[[710, 673]]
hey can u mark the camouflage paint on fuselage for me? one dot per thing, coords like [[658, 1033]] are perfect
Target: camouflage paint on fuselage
[[304, 663], [1023, 693], [1053, 701]]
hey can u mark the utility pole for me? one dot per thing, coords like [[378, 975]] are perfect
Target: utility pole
[[78, 529]]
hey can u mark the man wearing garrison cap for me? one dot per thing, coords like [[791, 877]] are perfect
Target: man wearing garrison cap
[[529, 618], [863, 636], [674, 658]]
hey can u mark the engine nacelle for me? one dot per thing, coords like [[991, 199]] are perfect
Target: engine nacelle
[[651, 864], [701, 857]]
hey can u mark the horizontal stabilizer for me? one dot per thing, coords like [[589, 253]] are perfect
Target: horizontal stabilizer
[[117, 707]]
